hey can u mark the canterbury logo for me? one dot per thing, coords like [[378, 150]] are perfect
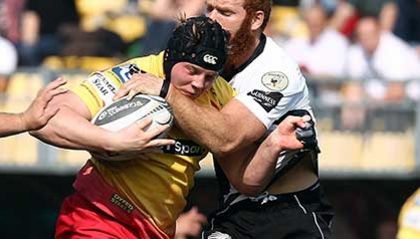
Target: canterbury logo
[[210, 59]]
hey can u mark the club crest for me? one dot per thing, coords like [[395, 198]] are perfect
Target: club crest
[[275, 80]]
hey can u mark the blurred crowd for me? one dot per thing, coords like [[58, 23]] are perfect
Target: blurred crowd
[[371, 47]]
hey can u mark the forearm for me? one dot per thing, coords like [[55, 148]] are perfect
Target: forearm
[[259, 171], [11, 124], [70, 130], [220, 131], [251, 169]]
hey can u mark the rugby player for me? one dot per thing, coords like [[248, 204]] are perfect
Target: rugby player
[[142, 197], [36, 115], [283, 198]]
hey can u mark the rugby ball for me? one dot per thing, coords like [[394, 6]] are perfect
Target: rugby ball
[[123, 112]]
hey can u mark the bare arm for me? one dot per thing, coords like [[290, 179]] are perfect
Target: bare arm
[[11, 124], [71, 128], [251, 172], [37, 114], [223, 132]]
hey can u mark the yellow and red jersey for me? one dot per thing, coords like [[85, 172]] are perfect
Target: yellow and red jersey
[[157, 183]]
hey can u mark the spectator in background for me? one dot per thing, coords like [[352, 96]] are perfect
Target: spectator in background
[[384, 62], [8, 62], [381, 57], [344, 18], [162, 16], [384, 10], [323, 52], [346, 13], [42, 20], [10, 14], [407, 25]]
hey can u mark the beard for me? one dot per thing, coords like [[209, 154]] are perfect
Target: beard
[[240, 45]]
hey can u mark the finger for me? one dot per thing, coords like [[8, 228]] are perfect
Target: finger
[[59, 91], [193, 210], [197, 215], [292, 120], [50, 94], [51, 111], [300, 123], [158, 130], [46, 116], [120, 93], [160, 142], [305, 122], [60, 81], [306, 118], [123, 90], [143, 123], [130, 84], [131, 94]]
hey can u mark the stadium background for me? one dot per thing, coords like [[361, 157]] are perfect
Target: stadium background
[[370, 160]]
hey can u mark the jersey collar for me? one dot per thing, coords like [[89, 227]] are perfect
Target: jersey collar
[[229, 75]]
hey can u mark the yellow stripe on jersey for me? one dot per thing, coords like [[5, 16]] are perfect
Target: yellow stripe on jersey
[[157, 183]]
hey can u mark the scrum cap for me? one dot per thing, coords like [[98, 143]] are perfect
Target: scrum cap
[[198, 40]]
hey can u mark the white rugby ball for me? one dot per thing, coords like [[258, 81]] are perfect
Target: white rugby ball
[[124, 112]]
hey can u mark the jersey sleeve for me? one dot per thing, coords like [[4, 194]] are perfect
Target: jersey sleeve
[[100, 87], [97, 90], [274, 93]]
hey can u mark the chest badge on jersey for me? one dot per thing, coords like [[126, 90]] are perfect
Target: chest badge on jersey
[[275, 80]]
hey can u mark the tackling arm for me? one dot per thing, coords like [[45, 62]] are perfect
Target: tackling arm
[[70, 127], [11, 124], [251, 170], [223, 132]]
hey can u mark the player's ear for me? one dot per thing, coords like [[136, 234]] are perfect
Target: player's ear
[[257, 20]]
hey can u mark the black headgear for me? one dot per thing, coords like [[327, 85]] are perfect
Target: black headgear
[[198, 40]]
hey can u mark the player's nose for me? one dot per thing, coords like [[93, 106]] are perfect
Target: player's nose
[[198, 82], [212, 15]]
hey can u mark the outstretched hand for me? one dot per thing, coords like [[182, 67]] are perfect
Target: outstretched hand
[[140, 83], [39, 112]]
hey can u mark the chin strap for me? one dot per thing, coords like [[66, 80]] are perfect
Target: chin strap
[[165, 88]]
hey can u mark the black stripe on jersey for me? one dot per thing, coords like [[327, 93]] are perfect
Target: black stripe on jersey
[[184, 147]]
